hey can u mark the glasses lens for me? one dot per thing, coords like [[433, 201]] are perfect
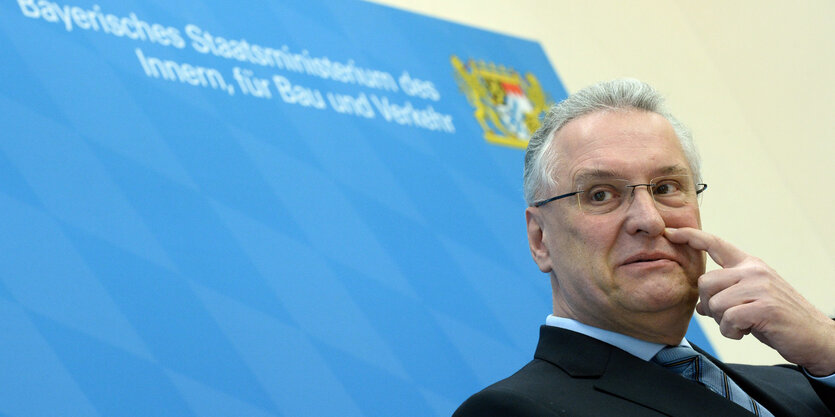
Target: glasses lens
[[674, 191], [602, 196]]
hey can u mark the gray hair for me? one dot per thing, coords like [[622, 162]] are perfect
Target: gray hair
[[622, 94]]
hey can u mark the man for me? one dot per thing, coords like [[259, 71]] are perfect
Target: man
[[612, 183]]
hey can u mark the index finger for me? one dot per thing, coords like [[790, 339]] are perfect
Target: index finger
[[722, 252]]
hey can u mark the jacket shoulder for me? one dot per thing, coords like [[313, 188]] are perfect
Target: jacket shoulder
[[538, 389], [518, 395]]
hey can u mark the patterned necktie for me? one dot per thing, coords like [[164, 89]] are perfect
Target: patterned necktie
[[694, 366]]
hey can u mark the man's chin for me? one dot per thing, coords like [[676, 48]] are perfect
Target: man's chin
[[661, 292]]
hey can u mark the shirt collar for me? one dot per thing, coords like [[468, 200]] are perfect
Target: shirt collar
[[640, 348]]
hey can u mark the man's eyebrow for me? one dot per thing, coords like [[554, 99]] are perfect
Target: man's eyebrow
[[595, 174], [673, 170]]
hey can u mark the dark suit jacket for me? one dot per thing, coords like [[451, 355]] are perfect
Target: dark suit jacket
[[576, 375]]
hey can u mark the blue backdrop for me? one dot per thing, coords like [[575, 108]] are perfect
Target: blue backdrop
[[307, 208]]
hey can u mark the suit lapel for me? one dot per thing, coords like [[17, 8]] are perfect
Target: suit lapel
[[625, 376], [654, 387]]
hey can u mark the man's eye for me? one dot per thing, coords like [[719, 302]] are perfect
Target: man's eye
[[601, 194], [667, 187]]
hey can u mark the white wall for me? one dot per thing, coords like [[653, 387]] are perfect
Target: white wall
[[755, 80]]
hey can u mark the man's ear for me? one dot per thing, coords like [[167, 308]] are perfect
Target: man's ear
[[536, 239]]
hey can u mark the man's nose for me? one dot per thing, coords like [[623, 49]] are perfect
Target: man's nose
[[642, 215]]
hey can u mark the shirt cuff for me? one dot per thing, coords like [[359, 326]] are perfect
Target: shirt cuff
[[826, 380]]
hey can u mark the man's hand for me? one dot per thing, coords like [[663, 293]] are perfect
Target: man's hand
[[747, 296]]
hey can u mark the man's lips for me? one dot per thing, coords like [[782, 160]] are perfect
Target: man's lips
[[650, 257]]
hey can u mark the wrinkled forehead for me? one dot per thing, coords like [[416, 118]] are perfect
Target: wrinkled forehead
[[589, 175], [619, 144]]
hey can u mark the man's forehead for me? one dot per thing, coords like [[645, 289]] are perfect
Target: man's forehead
[[602, 124], [618, 143]]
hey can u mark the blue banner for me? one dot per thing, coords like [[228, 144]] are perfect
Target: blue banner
[[307, 208]]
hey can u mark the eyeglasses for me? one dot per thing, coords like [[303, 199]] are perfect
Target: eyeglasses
[[603, 196]]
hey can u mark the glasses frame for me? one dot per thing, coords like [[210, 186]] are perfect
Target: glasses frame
[[700, 187]]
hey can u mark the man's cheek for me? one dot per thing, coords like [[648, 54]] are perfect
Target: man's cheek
[[697, 263]]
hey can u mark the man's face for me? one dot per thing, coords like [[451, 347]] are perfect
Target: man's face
[[616, 270]]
